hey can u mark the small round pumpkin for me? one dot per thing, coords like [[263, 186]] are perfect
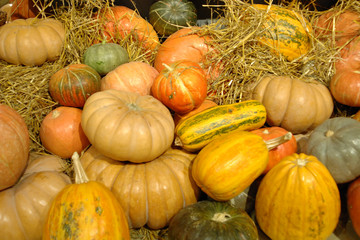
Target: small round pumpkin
[[15, 145], [44, 41], [126, 126], [134, 76], [353, 204], [336, 144], [105, 57], [298, 199], [61, 132], [294, 104], [211, 220], [73, 84], [181, 86], [168, 16]]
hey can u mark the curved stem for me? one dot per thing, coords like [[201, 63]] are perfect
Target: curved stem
[[273, 143], [80, 175]]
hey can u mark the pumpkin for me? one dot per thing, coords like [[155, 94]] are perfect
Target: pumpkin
[[85, 210], [181, 86], [286, 32], [336, 144], [25, 205], [212, 220], [168, 16], [150, 193], [61, 132], [126, 126], [120, 22], [134, 76], [292, 103], [44, 41], [23, 9], [105, 57], [231, 163], [15, 145], [281, 151], [72, 85], [298, 180], [353, 204]]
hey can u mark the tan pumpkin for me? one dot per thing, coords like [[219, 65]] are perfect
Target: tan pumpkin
[[134, 76], [150, 193], [25, 205], [294, 104], [126, 126], [44, 41]]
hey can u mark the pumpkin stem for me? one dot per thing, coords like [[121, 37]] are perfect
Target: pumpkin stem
[[221, 217], [329, 133], [177, 142], [273, 143], [168, 67], [80, 175]]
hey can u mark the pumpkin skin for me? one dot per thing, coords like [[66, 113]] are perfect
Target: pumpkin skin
[[85, 210], [147, 197], [181, 86], [205, 105], [105, 57], [73, 84], [15, 145], [353, 204], [25, 205], [134, 76], [168, 16], [298, 180], [336, 144], [212, 220], [285, 31], [61, 132], [126, 126], [281, 151], [45, 38], [294, 104], [23, 9]]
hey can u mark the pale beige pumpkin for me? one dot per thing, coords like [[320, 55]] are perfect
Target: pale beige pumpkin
[[150, 193], [126, 126], [294, 104]]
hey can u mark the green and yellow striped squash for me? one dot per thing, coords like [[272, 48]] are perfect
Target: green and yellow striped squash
[[285, 31], [196, 131]]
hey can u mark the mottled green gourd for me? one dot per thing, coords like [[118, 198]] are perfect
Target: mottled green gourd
[[168, 16]]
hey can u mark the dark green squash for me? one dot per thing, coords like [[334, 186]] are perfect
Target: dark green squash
[[212, 220], [105, 57], [168, 16]]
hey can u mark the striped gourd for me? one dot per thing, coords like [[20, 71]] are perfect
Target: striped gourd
[[195, 132]]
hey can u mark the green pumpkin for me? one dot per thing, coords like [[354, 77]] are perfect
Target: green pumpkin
[[105, 57], [336, 144], [168, 16], [212, 220]]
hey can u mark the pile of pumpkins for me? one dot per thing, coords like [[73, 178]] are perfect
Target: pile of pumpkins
[[149, 149]]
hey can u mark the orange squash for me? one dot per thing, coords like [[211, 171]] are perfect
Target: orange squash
[[353, 204]]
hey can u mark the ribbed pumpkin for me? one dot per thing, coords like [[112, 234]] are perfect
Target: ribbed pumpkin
[[231, 163], [127, 126], [211, 220], [353, 204], [298, 199], [181, 86], [25, 205], [44, 41], [15, 145], [336, 144], [73, 84], [134, 76], [150, 193], [294, 104], [168, 16], [105, 57], [287, 32], [85, 210]]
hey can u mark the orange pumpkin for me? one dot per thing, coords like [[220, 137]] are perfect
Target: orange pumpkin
[[15, 145], [353, 204], [181, 86], [23, 9], [205, 105], [131, 77], [281, 151], [61, 132]]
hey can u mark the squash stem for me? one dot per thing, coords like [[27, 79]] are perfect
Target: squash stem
[[273, 143], [80, 175], [168, 67]]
